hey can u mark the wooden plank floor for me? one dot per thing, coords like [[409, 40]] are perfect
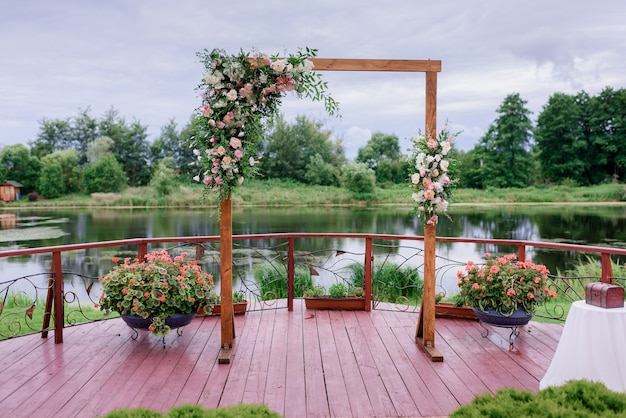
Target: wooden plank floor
[[305, 363]]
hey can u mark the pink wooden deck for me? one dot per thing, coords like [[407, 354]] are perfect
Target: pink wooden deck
[[304, 363]]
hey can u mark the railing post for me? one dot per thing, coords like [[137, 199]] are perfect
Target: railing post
[[367, 286], [59, 312], [521, 252], [290, 272], [142, 251], [607, 269]]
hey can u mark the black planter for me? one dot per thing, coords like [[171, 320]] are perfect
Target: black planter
[[175, 321], [518, 318]]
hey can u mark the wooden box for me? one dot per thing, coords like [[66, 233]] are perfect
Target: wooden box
[[604, 295]]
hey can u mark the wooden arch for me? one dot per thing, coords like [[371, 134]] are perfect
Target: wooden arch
[[425, 333]]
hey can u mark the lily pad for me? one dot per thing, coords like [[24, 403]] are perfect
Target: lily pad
[[30, 234]]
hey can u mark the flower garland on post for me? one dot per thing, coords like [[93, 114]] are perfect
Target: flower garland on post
[[237, 92], [431, 160]]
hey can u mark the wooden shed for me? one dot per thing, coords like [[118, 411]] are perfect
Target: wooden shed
[[10, 190]]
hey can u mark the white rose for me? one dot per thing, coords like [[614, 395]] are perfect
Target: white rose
[[231, 95]]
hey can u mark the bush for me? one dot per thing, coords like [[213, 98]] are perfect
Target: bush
[[391, 282], [33, 196], [51, 183], [320, 172], [338, 290], [577, 398], [104, 176], [272, 280], [163, 180], [358, 178], [195, 411]]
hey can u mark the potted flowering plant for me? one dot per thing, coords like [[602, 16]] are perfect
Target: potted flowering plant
[[504, 285], [156, 288]]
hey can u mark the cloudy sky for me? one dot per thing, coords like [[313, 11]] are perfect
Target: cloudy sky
[[139, 57]]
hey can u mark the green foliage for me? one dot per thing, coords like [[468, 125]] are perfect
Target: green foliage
[[288, 149], [51, 184], [391, 282], [561, 139], [68, 161], [104, 175], [338, 290], [14, 320], [172, 143], [313, 292], [196, 411], [17, 164], [382, 154], [272, 280], [164, 178], [577, 398], [505, 148], [99, 148], [130, 147], [358, 178], [320, 172]]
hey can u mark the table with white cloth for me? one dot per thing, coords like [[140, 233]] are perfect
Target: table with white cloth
[[592, 347]]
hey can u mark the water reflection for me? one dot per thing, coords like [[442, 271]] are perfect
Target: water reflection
[[569, 224]]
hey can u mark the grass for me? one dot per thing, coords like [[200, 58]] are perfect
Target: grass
[[20, 315], [273, 192], [391, 283], [272, 280]]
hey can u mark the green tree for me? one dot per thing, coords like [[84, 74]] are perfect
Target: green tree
[[84, 131], [131, 148], [68, 160], [561, 139], [607, 136], [104, 175], [99, 148], [174, 144], [382, 154], [358, 178], [320, 172], [19, 165], [51, 184], [163, 180], [288, 149], [507, 159], [380, 147], [54, 135]]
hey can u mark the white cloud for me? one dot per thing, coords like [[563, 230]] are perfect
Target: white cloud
[[139, 57]]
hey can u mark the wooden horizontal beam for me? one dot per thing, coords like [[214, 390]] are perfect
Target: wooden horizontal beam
[[348, 64]]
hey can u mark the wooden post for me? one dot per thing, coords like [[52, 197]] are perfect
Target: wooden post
[[369, 267], [226, 280], [59, 312], [425, 333]]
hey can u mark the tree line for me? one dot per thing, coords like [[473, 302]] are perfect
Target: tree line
[[577, 139]]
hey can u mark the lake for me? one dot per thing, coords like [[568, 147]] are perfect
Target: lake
[[603, 225]]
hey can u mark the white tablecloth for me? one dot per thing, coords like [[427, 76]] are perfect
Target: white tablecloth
[[592, 347]]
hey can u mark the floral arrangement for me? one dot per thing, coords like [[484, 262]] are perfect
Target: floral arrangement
[[504, 284], [237, 92], [430, 158], [157, 287]]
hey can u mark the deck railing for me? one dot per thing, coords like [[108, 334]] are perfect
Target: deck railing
[[272, 269]]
